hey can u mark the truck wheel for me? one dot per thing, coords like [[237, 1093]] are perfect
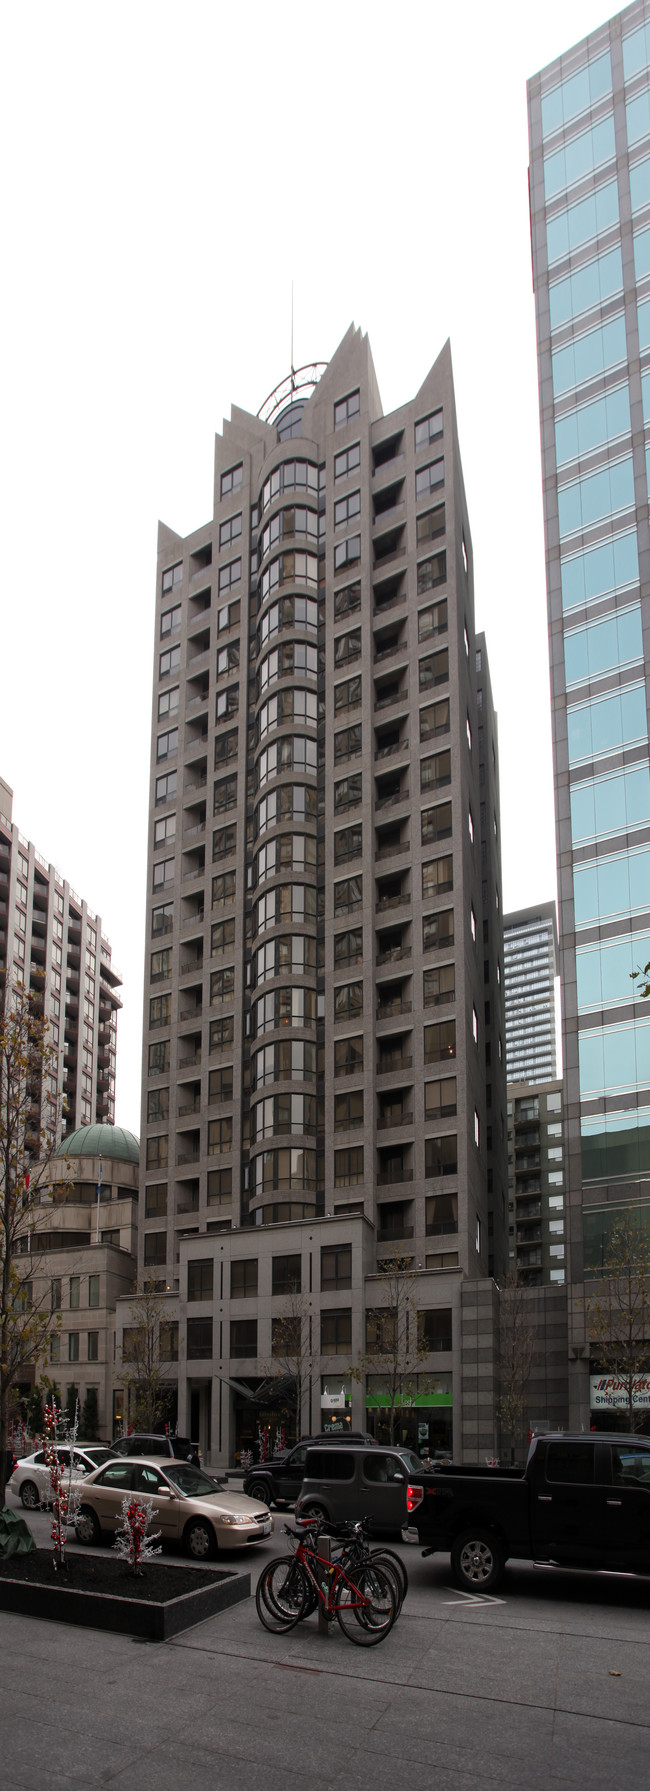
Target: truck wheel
[[259, 1489], [478, 1561]]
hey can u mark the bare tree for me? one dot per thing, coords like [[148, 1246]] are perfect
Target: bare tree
[[396, 1341], [618, 1312], [149, 1350], [516, 1349], [26, 1146], [291, 1355]]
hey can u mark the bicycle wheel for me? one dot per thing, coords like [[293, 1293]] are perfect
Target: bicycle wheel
[[389, 1563], [386, 1558], [281, 1595], [369, 1622]]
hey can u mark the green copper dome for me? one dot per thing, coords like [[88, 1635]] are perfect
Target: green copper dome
[[101, 1141]]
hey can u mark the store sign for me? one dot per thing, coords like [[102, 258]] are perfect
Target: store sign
[[336, 1394], [608, 1393], [425, 1391]]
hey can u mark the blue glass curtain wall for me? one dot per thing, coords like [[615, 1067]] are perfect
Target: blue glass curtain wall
[[607, 888]]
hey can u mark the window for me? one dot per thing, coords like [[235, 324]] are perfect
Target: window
[[155, 1200], [222, 936], [430, 525], [232, 480], [434, 720], [441, 1215], [440, 1041], [286, 1275], [348, 1056], [346, 509], [170, 621], [441, 1155], [73, 1346], [347, 461], [347, 793], [348, 1111], [437, 876], [200, 1277], [243, 1279], [438, 930], [346, 408], [219, 1187], [227, 703], [157, 1152], [435, 771], [227, 659], [155, 1248], [199, 1339], [169, 661], [223, 889], [55, 1295], [224, 841], [347, 599], [348, 694], [230, 531], [433, 620], [348, 948], [286, 1336], [164, 832], [163, 872], [336, 1333], [429, 478], [166, 787], [168, 701], [335, 1268], [172, 577], [219, 1136], [346, 553], [220, 1085], [434, 1330], [470, 825], [434, 669], [478, 1235], [348, 843], [348, 742], [440, 1098], [159, 1058], [160, 1010], [243, 1336], [435, 823], [347, 646], [348, 895], [93, 1346], [167, 745], [74, 1291], [55, 1349], [222, 984], [571, 1463], [225, 747], [348, 1166], [381, 1331], [428, 430], [348, 1001]]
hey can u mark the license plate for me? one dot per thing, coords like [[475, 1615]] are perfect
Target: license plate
[[266, 1530]]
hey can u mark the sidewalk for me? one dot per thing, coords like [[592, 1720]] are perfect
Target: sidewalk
[[517, 1692]]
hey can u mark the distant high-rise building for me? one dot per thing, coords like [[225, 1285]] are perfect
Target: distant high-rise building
[[530, 969], [589, 118], [536, 1228], [324, 1052], [52, 941]]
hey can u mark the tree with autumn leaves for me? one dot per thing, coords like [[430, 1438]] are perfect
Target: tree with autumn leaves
[[26, 1321]]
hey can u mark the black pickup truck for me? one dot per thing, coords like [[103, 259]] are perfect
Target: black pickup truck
[[581, 1501]]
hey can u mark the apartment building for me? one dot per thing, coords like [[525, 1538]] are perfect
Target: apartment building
[[52, 940], [324, 1049], [589, 116], [530, 964]]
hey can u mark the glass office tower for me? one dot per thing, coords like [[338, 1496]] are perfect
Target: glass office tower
[[589, 116]]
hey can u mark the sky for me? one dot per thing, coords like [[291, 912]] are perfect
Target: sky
[[169, 171]]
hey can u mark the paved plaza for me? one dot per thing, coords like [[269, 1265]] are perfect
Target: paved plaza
[[544, 1687]]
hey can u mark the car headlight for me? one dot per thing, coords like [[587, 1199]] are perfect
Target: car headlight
[[236, 1520]]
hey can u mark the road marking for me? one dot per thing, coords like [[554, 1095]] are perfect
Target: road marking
[[471, 1597]]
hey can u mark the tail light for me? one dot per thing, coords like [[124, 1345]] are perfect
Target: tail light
[[414, 1497]]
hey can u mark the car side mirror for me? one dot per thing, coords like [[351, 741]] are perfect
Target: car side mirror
[[399, 1477]]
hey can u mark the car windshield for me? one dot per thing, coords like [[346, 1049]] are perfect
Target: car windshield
[[99, 1456], [192, 1481], [411, 1461]]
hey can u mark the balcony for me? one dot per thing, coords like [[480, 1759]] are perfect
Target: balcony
[[400, 900], [386, 1010], [392, 849], [391, 698], [388, 1178], [393, 797], [392, 955], [390, 1236], [391, 747], [390, 1063], [387, 1121], [389, 651]]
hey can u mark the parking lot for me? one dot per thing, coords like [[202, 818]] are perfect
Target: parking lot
[[542, 1686]]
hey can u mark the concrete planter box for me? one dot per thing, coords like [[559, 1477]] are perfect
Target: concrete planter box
[[130, 1616]]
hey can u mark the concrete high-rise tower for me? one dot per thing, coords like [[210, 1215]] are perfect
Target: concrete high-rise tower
[[590, 218], [324, 1054], [530, 969]]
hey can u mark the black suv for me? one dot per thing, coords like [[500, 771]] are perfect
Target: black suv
[[278, 1480], [174, 1448]]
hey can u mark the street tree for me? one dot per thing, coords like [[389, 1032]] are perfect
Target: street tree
[[618, 1312], [396, 1341], [516, 1350], [26, 1146], [149, 1352], [290, 1368]]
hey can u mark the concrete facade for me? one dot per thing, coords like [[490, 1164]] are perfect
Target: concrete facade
[[324, 1038]]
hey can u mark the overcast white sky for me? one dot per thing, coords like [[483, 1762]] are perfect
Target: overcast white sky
[[167, 171]]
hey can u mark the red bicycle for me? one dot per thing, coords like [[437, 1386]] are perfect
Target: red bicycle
[[363, 1602]]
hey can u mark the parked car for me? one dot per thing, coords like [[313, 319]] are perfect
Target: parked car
[[190, 1507], [341, 1484], [278, 1480], [31, 1476], [581, 1501], [160, 1444]]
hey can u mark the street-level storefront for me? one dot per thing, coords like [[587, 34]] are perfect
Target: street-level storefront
[[609, 1403], [336, 1404], [422, 1411]]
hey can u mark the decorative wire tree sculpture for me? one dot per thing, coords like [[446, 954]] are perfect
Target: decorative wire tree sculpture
[[133, 1543], [64, 1497]]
